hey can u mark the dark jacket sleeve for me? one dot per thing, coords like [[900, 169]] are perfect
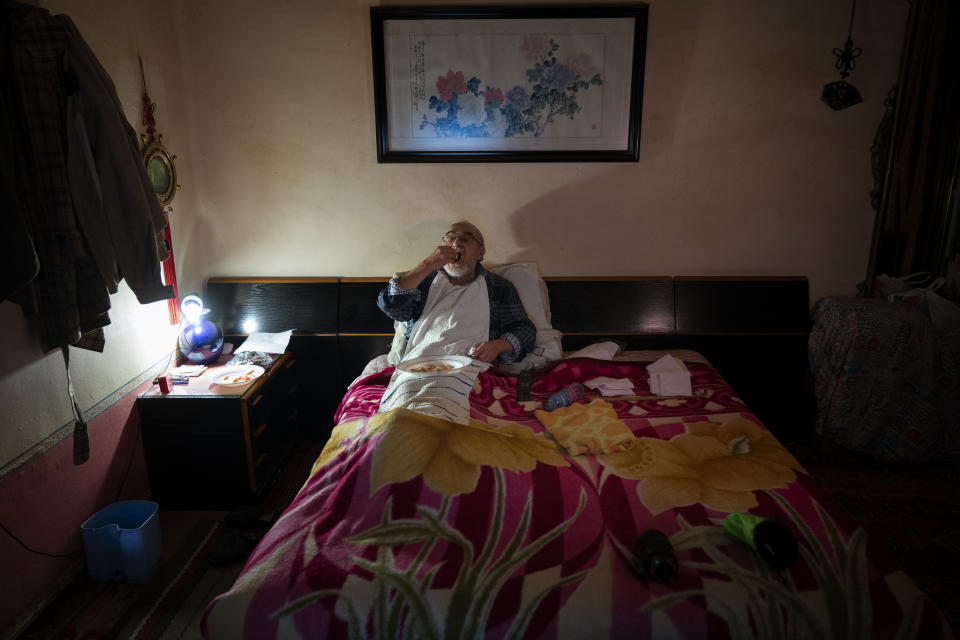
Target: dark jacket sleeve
[[403, 307], [509, 316]]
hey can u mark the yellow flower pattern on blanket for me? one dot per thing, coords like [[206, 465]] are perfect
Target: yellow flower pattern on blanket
[[587, 428], [719, 466], [450, 455], [334, 444]]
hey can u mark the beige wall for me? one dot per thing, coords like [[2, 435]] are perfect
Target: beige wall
[[743, 170], [269, 109]]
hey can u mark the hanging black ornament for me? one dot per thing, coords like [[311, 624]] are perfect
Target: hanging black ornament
[[841, 94]]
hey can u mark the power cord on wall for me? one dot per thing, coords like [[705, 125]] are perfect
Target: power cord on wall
[[32, 550], [123, 482]]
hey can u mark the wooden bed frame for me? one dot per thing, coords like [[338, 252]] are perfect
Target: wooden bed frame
[[754, 330]]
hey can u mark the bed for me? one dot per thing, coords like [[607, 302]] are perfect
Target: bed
[[886, 383], [412, 526]]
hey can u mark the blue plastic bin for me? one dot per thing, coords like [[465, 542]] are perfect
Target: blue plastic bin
[[122, 542]]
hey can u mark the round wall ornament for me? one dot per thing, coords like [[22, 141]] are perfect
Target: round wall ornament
[[161, 170]]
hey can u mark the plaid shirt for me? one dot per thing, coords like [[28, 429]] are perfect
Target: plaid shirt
[[508, 319]]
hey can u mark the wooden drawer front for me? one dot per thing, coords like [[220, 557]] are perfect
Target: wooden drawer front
[[271, 443], [195, 452], [273, 426], [272, 422]]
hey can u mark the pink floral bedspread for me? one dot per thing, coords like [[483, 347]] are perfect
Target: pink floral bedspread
[[414, 527]]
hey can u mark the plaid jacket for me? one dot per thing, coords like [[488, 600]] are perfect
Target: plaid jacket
[[508, 319], [53, 84]]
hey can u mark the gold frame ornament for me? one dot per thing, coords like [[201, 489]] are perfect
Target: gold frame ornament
[[161, 170]]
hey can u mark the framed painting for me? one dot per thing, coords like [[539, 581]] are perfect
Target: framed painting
[[508, 84]]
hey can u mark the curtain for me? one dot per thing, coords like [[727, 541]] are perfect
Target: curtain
[[915, 145]]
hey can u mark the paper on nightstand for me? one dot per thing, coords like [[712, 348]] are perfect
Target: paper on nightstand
[[669, 377], [188, 370], [266, 342]]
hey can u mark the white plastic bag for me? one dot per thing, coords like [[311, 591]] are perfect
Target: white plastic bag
[[944, 314], [884, 285]]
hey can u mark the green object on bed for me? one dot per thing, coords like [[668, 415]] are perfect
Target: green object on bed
[[770, 538]]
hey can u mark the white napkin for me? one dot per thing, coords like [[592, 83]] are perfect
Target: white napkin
[[669, 377], [611, 386]]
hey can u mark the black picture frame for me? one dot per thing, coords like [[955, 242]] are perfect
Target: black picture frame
[[466, 120]]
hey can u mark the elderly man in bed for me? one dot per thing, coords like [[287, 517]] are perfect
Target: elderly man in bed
[[452, 305]]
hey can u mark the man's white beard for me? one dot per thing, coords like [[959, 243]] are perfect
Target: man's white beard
[[459, 270]]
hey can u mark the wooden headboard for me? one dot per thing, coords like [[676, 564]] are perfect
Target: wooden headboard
[[754, 330]]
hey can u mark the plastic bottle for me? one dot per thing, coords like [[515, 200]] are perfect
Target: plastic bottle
[[568, 395], [655, 558], [770, 538]]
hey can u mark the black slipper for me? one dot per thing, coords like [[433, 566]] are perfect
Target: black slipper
[[250, 516], [233, 547]]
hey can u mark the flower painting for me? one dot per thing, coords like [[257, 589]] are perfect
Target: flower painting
[[470, 108], [508, 84]]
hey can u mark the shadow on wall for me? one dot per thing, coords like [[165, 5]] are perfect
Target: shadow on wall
[[195, 239], [19, 345], [581, 220], [614, 223], [598, 216]]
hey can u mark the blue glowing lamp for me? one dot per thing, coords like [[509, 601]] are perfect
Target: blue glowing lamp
[[200, 341]]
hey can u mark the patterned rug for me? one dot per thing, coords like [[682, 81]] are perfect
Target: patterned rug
[[913, 508]]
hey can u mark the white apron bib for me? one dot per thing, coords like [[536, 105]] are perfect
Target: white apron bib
[[454, 318]]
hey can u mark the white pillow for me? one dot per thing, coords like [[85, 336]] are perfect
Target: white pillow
[[525, 276]]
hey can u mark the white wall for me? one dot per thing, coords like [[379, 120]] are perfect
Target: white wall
[[743, 170], [269, 109]]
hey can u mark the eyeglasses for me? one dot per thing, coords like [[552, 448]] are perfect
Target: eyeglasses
[[464, 237]]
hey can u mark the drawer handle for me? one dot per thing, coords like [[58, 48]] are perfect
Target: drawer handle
[[260, 460], [259, 430], [256, 401]]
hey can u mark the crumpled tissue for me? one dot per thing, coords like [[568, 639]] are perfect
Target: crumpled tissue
[[669, 377], [611, 386]]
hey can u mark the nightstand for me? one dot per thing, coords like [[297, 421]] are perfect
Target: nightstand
[[214, 447]]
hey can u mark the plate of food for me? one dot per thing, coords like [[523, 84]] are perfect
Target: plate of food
[[238, 376], [434, 364]]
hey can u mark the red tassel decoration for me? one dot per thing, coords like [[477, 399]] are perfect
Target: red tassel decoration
[[170, 277]]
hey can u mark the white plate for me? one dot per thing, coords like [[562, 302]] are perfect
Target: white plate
[[238, 376], [451, 362]]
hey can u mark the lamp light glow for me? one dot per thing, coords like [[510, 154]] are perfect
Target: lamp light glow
[[192, 308], [200, 340], [250, 325]]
